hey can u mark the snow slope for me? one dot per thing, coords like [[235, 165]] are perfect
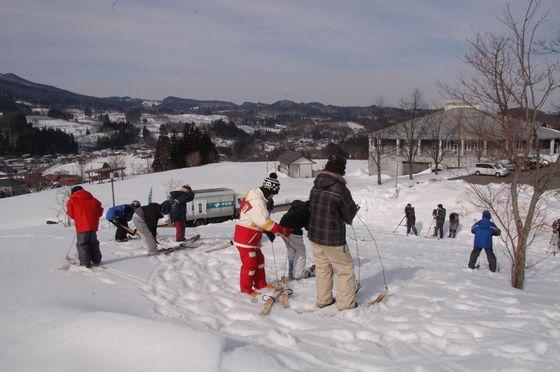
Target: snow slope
[[184, 311]]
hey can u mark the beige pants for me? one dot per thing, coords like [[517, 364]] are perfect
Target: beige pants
[[327, 257]]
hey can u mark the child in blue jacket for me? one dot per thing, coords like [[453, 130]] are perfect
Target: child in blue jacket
[[120, 216], [483, 232]]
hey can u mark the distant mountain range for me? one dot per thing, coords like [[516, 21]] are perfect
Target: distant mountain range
[[19, 88]]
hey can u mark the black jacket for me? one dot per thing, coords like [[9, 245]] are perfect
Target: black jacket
[[150, 214], [297, 217], [410, 216]]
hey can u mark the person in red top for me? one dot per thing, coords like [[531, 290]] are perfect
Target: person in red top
[[85, 210]]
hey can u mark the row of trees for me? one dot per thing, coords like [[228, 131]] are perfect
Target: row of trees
[[17, 136], [191, 147]]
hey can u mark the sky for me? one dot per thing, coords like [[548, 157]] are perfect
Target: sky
[[342, 52]]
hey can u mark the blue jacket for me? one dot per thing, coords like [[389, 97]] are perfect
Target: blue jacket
[[180, 200], [483, 231], [123, 211]]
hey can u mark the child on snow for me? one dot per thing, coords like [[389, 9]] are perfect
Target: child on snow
[[453, 224], [439, 216], [178, 215], [254, 218], [410, 216], [483, 232], [297, 218], [120, 216], [145, 220], [85, 210]]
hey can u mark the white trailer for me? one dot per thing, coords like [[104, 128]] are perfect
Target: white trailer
[[212, 205]]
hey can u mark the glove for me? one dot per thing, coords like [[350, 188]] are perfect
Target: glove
[[286, 231]]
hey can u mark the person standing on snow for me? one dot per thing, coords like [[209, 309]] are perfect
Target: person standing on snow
[[145, 220], [296, 218], [555, 239], [439, 216], [254, 218], [331, 207], [453, 224], [483, 232], [178, 215], [410, 216], [120, 216], [85, 210]]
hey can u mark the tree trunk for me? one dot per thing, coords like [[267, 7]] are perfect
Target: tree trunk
[[379, 173], [518, 266]]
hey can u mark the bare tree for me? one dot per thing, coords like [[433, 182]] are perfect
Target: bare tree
[[377, 139], [438, 132], [413, 130], [510, 84], [61, 198]]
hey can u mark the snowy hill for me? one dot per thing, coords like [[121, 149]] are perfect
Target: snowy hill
[[184, 311]]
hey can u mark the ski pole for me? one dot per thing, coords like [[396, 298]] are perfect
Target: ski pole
[[429, 228], [399, 224]]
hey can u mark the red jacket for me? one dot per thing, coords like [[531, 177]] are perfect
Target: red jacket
[[85, 210]]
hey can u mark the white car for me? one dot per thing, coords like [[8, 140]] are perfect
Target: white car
[[490, 169]]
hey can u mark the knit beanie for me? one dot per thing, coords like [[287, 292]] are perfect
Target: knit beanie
[[336, 164], [271, 184], [184, 188]]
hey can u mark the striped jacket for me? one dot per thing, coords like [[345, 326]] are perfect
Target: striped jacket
[[331, 207], [253, 219]]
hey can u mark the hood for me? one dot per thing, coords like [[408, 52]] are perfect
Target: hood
[[486, 215], [325, 179], [174, 194], [82, 194]]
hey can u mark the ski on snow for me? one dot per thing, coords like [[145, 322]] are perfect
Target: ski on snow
[[191, 243]]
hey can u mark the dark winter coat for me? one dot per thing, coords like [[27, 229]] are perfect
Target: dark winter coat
[[453, 221], [483, 232], [150, 214], [440, 215], [331, 207], [85, 210], [180, 200], [410, 216], [297, 217], [123, 212]]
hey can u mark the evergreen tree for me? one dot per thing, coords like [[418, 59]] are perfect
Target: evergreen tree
[[162, 160]]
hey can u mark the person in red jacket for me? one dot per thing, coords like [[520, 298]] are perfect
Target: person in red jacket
[[85, 210]]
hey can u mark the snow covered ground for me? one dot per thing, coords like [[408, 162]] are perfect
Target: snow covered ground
[[69, 127], [184, 311]]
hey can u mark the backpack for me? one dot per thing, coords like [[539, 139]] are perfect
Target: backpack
[[166, 207]]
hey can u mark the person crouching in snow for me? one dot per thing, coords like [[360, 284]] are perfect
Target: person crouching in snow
[[145, 220], [253, 219], [120, 216], [178, 215], [85, 210], [296, 218]]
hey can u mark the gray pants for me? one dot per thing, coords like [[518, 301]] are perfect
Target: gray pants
[[296, 255], [88, 248], [147, 237]]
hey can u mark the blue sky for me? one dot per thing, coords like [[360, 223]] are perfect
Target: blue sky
[[346, 52]]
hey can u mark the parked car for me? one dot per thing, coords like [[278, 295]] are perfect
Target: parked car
[[490, 169], [507, 165]]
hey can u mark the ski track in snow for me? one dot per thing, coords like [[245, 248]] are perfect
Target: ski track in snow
[[438, 316]]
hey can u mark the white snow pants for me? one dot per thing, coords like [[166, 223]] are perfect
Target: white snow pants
[[147, 237], [296, 253]]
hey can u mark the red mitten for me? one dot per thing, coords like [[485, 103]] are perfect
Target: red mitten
[[286, 231]]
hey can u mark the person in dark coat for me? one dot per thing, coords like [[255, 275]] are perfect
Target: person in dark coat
[[296, 218], [120, 216], [555, 236], [453, 224], [178, 215], [483, 232], [439, 216], [410, 216], [85, 210], [145, 220], [331, 208]]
